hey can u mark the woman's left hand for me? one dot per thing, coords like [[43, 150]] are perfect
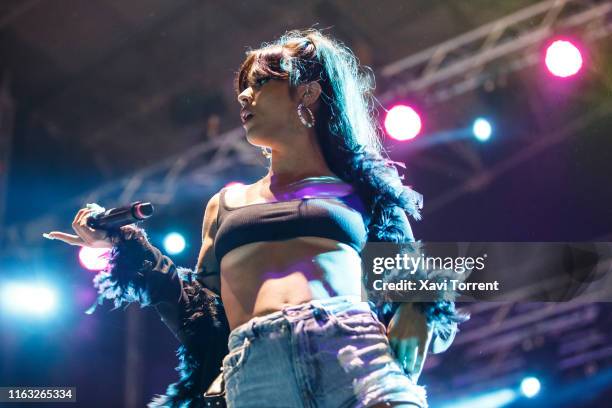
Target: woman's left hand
[[409, 337]]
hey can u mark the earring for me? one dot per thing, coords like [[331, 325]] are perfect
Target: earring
[[308, 123]]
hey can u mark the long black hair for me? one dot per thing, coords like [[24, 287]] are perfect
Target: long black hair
[[346, 126], [349, 135]]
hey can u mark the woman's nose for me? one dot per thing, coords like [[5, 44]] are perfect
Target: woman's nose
[[245, 98]]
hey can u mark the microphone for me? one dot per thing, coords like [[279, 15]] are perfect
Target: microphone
[[120, 216]]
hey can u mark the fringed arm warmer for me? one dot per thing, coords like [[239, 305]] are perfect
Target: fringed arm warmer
[[139, 272], [441, 313]]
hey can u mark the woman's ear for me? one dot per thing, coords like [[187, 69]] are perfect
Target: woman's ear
[[309, 93]]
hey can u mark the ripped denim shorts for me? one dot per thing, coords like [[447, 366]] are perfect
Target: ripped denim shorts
[[324, 353]]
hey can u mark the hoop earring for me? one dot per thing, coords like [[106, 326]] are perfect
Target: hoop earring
[[308, 123]]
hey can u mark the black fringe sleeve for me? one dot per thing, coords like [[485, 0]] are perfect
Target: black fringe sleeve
[[139, 272], [201, 354]]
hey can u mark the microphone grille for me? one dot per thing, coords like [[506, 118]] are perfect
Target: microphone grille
[[143, 210]]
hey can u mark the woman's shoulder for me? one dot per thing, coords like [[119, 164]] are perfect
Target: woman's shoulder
[[236, 194], [220, 199]]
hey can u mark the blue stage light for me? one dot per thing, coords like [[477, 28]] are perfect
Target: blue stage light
[[530, 387], [482, 129], [174, 243], [492, 399], [28, 299]]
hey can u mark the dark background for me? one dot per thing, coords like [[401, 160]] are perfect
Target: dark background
[[98, 95]]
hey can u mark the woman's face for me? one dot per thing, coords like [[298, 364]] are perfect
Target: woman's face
[[273, 113]]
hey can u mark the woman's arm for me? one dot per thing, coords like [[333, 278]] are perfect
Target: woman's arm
[[192, 311], [414, 326], [139, 272], [207, 267], [409, 336]]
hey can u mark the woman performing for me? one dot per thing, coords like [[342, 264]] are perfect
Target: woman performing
[[284, 252]]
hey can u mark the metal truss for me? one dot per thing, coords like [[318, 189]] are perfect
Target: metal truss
[[494, 50], [503, 341], [459, 65], [157, 183]]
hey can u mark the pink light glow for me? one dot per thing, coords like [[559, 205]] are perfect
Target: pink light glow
[[563, 59], [402, 123], [94, 259], [234, 184]]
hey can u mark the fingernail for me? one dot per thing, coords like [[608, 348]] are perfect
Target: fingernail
[[47, 236]]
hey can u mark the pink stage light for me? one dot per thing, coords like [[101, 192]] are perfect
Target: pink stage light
[[402, 123], [94, 259], [563, 59]]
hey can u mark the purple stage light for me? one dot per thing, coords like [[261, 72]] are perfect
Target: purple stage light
[[94, 259]]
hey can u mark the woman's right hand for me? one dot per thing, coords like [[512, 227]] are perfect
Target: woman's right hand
[[85, 236]]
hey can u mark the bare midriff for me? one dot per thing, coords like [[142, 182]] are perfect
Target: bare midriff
[[262, 277]]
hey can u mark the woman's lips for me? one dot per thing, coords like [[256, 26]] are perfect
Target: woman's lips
[[245, 116]]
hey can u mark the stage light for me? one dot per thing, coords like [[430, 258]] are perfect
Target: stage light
[[28, 299], [94, 259], [402, 123], [563, 59], [482, 129], [174, 243], [530, 387], [492, 399]]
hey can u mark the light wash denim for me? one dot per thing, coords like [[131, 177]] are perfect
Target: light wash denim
[[325, 353]]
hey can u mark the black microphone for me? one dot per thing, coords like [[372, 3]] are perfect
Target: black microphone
[[120, 216]]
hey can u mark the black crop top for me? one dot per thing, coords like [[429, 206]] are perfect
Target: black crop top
[[339, 218]]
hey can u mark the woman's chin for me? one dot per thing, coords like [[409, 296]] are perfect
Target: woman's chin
[[257, 143], [252, 138], [256, 139]]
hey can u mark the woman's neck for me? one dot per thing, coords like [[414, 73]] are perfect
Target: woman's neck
[[296, 163]]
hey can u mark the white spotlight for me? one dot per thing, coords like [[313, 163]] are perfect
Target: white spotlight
[[21, 298], [530, 387], [482, 129], [174, 243]]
